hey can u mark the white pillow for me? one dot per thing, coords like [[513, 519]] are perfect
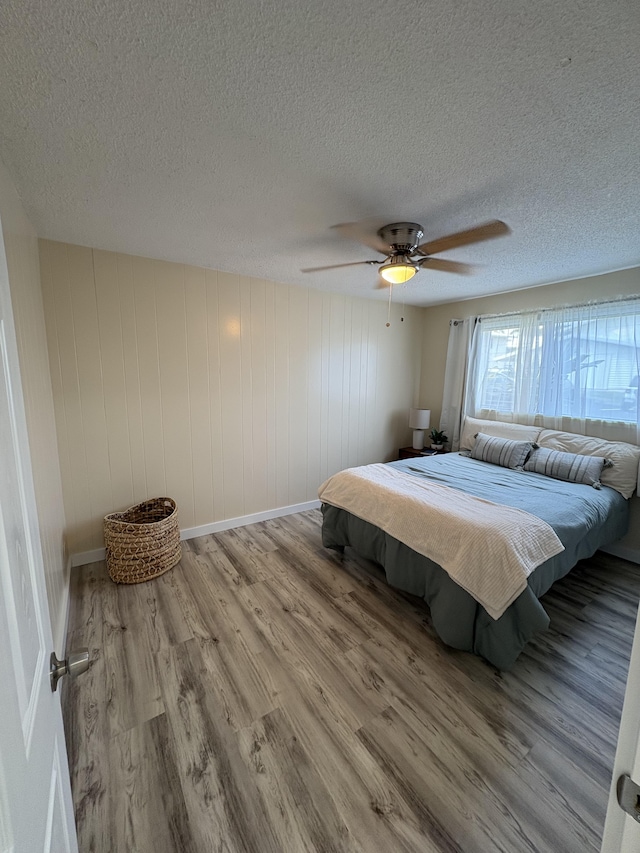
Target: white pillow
[[499, 429], [623, 474]]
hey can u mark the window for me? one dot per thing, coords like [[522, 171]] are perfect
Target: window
[[578, 362]]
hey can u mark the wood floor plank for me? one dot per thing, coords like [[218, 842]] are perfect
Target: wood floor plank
[[319, 666], [516, 707], [315, 614], [610, 666], [582, 795], [270, 695], [162, 616], [242, 686], [206, 553], [224, 808], [456, 817], [370, 804], [312, 564], [255, 539], [301, 809], [479, 796], [583, 684], [508, 785], [131, 671], [391, 618], [123, 670], [212, 610], [241, 553], [148, 811], [403, 682]]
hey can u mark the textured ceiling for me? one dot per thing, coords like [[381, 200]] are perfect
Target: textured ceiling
[[234, 134]]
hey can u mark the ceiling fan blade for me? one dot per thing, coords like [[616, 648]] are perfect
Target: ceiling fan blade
[[447, 266], [487, 231], [364, 232], [337, 266]]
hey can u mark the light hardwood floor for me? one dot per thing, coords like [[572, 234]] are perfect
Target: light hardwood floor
[[267, 695]]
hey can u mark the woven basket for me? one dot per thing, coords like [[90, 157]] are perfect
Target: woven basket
[[143, 541]]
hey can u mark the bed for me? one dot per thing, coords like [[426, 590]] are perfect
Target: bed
[[583, 519]]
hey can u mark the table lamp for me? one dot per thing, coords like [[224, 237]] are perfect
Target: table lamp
[[419, 422]]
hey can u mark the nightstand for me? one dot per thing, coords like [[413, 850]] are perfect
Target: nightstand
[[410, 453]]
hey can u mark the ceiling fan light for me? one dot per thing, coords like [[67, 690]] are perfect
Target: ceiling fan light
[[398, 271]]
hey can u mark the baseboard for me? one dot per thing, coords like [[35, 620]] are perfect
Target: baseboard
[[630, 554], [84, 557], [243, 520]]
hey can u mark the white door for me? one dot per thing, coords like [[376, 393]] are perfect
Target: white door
[[621, 832], [36, 812]]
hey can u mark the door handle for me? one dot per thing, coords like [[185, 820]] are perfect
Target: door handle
[[73, 665], [629, 796]]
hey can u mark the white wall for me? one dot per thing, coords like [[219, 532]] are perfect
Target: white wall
[[232, 395], [21, 247]]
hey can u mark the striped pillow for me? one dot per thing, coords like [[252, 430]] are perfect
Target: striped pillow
[[501, 451], [572, 467]]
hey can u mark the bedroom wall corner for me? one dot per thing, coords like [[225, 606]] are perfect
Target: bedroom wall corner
[[21, 245], [232, 394]]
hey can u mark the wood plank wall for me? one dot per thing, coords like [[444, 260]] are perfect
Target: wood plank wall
[[231, 394]]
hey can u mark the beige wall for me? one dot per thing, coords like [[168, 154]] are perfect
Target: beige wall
[[21, 247], [435, 323], [232, 395]]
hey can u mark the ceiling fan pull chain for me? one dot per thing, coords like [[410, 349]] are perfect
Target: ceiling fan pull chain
[[389, 308]]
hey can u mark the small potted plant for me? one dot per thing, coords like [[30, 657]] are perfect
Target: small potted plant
[[438, 439]]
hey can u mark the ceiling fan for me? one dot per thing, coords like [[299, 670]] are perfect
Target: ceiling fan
[[404, 255]]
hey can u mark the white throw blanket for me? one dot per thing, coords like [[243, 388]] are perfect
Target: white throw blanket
[[486, 548]]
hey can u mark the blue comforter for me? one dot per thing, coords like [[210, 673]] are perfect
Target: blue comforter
[[583, 518]]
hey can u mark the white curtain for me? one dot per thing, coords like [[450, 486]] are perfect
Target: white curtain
[[574, 369], [460, 333]]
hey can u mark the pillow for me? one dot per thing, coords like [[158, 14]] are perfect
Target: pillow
[[501, 451], [517, 432], [572, 467], [622, 476]]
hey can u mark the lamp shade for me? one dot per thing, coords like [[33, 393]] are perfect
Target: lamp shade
[[419, 418]]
